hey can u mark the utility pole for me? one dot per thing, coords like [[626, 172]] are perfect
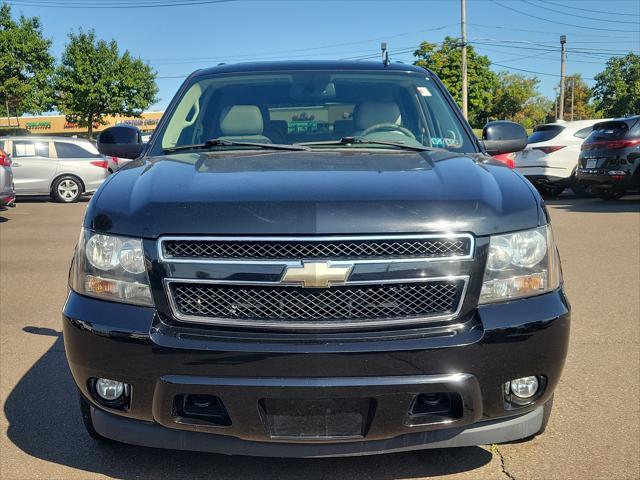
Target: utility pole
[[563, 60], [463, 26], [573, 87]]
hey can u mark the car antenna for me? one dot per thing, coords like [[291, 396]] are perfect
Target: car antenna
[[385, 54]]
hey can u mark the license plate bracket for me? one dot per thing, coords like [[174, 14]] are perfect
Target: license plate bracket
[[316, 419]]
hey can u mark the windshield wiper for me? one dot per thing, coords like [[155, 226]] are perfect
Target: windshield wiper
[[222, 142], [364, 141]]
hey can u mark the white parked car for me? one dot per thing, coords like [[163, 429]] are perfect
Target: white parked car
[[116, 163], [64, 168], [550, 159]]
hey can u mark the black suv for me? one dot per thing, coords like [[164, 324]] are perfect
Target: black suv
[[609, 163], [315, 259]]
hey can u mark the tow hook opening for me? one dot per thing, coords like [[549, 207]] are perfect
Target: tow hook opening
[[441, 407], [201, 409]]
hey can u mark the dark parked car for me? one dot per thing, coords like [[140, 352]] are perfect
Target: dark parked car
[[315, 259], [609, 162]]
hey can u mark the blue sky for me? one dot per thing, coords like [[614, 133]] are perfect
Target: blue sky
[[177, 40]]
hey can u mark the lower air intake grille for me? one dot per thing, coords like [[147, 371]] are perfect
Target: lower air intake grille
[[285, 305]]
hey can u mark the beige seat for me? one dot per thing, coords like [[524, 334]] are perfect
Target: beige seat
[[368, 114], [242, 123]]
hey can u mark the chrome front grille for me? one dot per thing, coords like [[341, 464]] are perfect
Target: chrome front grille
[[317, 282], [405, 247], [356, 304]]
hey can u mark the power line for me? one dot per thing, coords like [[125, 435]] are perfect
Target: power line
[[590, 35], [562, 23], [534, 72], [99, 2], [127, 5], [526, 46], [517, 59], [410, 49], [255, 57], [482, 48], [399, 52], [542, 56], [582, 9], [392, 52], [542, 44], [634, 22], [308, 49]]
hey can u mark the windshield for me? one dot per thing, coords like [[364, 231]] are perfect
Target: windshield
[[313, 106], [544, 133], [614, 129]]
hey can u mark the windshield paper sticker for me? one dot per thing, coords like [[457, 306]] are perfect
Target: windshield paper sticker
[[424, 91]]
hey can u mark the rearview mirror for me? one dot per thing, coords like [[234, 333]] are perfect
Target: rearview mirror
[[503, 137], [122, 141]]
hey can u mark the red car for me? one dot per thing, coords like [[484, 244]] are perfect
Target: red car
[[509, 159], [7, 193]]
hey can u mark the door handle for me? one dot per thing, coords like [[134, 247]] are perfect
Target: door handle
[[15, 164]]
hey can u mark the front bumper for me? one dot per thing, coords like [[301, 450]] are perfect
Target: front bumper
[[160, 360], [149, 434]]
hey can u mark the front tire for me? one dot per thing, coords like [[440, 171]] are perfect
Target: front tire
[[66, 189], [611, 194], [550, 190], [581, 191]]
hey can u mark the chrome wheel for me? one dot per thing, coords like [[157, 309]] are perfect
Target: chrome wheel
[[67, 190]]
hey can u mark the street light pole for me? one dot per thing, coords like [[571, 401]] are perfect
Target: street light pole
[[573, 88], [463, 26]]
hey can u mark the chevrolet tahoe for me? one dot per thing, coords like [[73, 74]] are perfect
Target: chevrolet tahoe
[[315, 259]]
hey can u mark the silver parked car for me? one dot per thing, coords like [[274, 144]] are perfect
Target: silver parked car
[[64, 168], [7, 195]]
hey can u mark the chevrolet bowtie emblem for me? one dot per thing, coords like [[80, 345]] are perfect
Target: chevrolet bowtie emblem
[[316, 274]]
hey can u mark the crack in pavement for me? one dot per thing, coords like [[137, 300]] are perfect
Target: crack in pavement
[[496, 450]]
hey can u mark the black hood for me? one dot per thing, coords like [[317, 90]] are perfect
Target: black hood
[[318, 192]]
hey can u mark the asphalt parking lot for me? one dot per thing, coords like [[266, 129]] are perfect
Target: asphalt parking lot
[[594, 430]]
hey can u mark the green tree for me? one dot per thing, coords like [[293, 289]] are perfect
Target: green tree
[[444, 60], [536, 110], [617, 88], [94, 80], [511, 94], [25, 65], [582, 106]]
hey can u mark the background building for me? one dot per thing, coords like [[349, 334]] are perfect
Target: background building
[[58, 124]]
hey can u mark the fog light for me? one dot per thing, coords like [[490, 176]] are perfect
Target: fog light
[[109, 390], [525, 387]]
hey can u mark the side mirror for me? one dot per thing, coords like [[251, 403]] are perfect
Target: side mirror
[[503, 137], [121, 141]]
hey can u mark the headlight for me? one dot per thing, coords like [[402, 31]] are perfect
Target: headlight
[[521, 264], [112, 268]]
